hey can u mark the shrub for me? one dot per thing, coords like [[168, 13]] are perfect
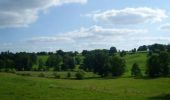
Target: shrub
[[80, 75]]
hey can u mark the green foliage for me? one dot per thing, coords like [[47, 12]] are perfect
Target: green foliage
[[80, 75], [122, 53], [158, 65], [168, 48], [41, 65], [55, 62], [142, 48], [78, 60], [68, 62], [117, 65], [113, 50], [157, 48], [136, 71]]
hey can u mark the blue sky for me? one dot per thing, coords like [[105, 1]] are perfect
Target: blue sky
[[49, 25]]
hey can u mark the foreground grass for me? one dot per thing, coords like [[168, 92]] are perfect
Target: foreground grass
[[14, 87]]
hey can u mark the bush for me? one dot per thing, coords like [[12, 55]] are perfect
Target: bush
[[80, 75], [56, 75], [41, 75]]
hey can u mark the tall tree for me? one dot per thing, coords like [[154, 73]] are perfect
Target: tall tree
[[135, 70], [54, 61], [117, 65], [68, 62]]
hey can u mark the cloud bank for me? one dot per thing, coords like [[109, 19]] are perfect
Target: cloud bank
[[89, 38]]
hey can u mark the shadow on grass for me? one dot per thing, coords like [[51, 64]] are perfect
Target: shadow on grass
[[161, 97]]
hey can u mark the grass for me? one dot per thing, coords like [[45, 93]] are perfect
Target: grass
[[17, 87], [14, 87]]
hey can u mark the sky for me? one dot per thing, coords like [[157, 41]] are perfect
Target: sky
[[76, 25]]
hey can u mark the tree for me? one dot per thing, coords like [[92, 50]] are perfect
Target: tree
[[54, 61], [153, 66], [96, 61], [2, 64], [68, 62], [40, 65], [164, 60], [84, 52], [88, 62], [78, 60], [157, 48], [117, 65], [158, 65], [23, 61], [113, 50], [168, 48], [122, 53], [135, 70], [134, 50], [142, 48], [60, 52]]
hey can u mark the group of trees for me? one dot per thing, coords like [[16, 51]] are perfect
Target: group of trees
[[19, 61], [102, 61], [61, 61], [158, 63]]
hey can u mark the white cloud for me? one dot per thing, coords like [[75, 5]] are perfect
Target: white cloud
[[58, 39], [165, 27], [94, 37], [129, 16], [91, 33], [88, 38], [19, 13]]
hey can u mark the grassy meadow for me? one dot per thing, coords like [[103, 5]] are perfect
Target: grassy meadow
[[17, 87]]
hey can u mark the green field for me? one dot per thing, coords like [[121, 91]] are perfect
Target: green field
[[17, 87], [14, 87]]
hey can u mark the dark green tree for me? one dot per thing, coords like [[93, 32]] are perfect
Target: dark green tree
[[142, 48], [68, 62], [113, 50], [54, 61], [135, 70], [41, 65], [153, 66], [117, 65]]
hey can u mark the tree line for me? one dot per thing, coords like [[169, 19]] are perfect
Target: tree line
[[100, 61]]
